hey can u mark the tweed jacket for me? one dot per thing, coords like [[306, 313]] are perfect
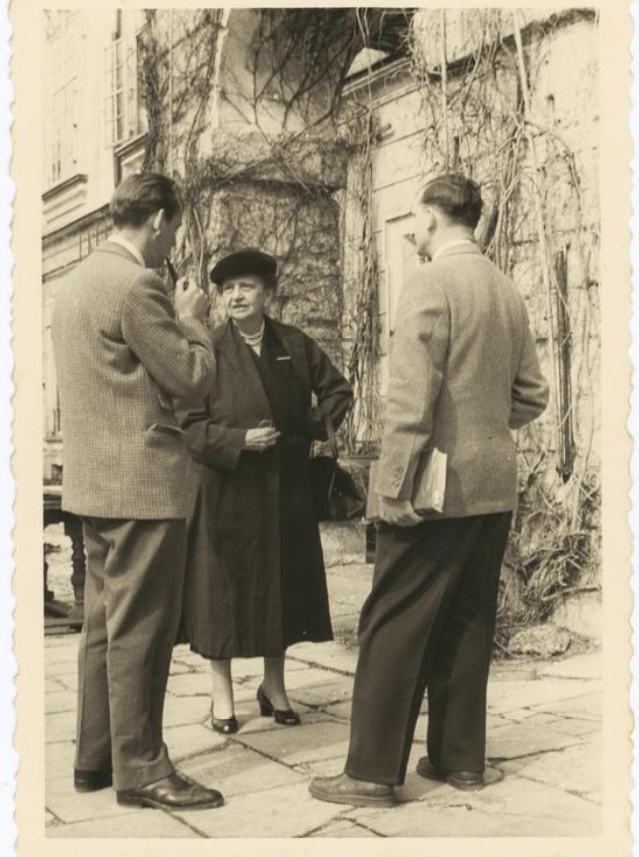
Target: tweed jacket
[[463, 373], [120, 358]]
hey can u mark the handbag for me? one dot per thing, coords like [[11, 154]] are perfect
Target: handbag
[[336, 496]]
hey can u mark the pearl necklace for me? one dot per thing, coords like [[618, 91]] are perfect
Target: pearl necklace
[[254, 340]]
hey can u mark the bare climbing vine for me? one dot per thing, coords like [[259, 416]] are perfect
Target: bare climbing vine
[[483, 120], [481, 117]]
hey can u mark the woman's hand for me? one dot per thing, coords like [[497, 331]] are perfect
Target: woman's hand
[[259, 439]]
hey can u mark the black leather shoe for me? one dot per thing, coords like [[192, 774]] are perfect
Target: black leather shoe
[[283, 716], [227, 726], [345, 789], [430, 771], [91, 781], [174, 792], [466, 781]]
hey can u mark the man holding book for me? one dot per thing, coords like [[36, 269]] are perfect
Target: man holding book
[[464, 373]]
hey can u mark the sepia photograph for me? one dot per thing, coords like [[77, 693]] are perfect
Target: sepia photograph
[[322, 432]]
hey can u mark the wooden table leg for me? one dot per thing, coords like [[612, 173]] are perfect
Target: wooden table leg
[[73, 529], [48, 593]]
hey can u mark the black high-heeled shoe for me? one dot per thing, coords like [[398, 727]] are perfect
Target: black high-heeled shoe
[[226, 726], [285, 717]]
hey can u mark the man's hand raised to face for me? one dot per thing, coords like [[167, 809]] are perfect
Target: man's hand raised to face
[[190, 300]]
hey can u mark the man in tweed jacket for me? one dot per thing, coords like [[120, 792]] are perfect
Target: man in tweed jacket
[[121, 356], [464, 373]]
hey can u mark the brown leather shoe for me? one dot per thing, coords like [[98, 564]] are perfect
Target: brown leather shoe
[[91, 781], [173, 792], [345, 789], [467, 781]]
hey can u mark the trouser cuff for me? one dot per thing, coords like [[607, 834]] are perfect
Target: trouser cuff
[[372, 773], [463, 763], [139, 777]]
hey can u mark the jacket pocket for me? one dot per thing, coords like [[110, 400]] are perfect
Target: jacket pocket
[[161, 434]]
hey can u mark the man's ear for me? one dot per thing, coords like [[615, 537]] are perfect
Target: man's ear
[[159, 220], [432, 219]]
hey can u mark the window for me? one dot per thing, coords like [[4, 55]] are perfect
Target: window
[[397, 259], [401, 260], [124, 116], [62, 110]]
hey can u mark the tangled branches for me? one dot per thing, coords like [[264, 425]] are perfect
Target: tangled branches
[[481, 121], [364, 420]]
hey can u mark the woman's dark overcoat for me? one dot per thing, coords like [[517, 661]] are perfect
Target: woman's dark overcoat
[[255, 579]]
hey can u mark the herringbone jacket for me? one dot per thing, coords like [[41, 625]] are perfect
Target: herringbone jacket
[[463, 373], [120, 358]]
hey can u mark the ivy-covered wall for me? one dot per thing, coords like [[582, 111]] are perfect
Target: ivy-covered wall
[[516, 109]]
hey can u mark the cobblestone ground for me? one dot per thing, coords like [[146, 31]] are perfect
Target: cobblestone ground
[[544, 749]]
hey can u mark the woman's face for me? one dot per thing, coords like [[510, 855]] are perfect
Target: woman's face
[[245, 297]]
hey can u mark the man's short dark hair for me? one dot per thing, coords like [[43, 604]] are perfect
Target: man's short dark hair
[[141, 195], [457, 196]]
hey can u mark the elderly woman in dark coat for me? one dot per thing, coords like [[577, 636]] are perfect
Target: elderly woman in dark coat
[[255, 580]]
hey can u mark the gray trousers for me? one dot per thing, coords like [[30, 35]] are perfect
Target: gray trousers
[[132, 603]]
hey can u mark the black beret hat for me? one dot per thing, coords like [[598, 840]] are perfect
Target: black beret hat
[[249, 261]]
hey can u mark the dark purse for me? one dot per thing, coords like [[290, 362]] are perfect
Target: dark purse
[[336, 497]]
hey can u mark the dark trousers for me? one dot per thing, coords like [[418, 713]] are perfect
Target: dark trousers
[[132, 601], [428, 624]]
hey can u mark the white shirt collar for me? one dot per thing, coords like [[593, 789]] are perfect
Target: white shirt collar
[[133, 250], [450, 244]]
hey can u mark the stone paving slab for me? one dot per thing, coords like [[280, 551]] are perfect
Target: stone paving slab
[[523, 739], [60, 727], [65, 803], [575, 769], [62, 669], [68, 681], [581, 667], [338, 690], [343, 829], [60, 654], [185, 741], [323, 739], [283, 812], [59, 701], [240, 770], [585, 707], [339, 660], [189, 684], [578, 727], [181, 711], [52, 685], [58, 759], [137, 825], [308, 678], [508, 697], [342, 710]]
